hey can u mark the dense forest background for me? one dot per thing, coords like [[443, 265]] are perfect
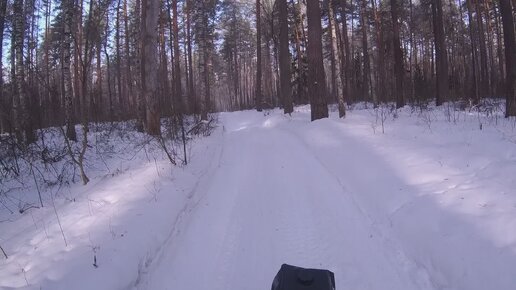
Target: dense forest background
[[77, 61]]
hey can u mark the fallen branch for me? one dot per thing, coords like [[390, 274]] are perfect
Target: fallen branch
[[2, 249]]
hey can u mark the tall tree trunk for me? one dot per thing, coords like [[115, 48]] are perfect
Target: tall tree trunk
[[85, 65], [413, 54], [338, 80], [166, 99], [87, 57], [140, 97], [398, 55], [299, 39], [380, 71], [97, 101], [76, 34], [110, 111], [510, 56], [267, 79], [23, 117], [149, 63], [484, 77], [366, 76], [235, 62], [191, 91], [127, 54], [13, 89], [441, 54], [316, 75], [68, 92], [206, 54], [121, 97], [499, 50], [284, 58], [354, 63], [474, 61], [4, 120], [32, 92], [490, 42], [52, 108], [177, 68], [174, 73], [258, 57], [186, 65], [346, 53]]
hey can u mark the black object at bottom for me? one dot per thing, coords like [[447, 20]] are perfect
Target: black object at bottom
[[297, 278]]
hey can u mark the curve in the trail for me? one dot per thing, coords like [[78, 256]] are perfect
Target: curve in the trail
[[271, 201]]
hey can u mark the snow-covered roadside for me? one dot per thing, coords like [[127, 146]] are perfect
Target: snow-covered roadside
[[443, 192], [121, 218]]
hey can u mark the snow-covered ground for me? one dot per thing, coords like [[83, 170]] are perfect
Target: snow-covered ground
[[429, 204]]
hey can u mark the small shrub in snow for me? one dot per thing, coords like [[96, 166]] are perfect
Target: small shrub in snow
[[427, 117], [382, 113]]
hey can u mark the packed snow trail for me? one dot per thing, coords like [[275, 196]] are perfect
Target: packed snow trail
[[270, 202]]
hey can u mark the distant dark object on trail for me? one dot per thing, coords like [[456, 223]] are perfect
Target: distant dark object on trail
[[297, 278]]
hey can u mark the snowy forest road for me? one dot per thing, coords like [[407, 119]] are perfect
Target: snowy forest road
[[315, 196], [272, 202]]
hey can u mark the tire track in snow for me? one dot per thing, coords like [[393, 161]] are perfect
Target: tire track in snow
[[416, 271], [153, 259]]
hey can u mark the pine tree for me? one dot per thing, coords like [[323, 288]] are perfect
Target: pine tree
[[441, 55], [284, 58], [258, 96], [510, 56], [316, 75], [149, 63]]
